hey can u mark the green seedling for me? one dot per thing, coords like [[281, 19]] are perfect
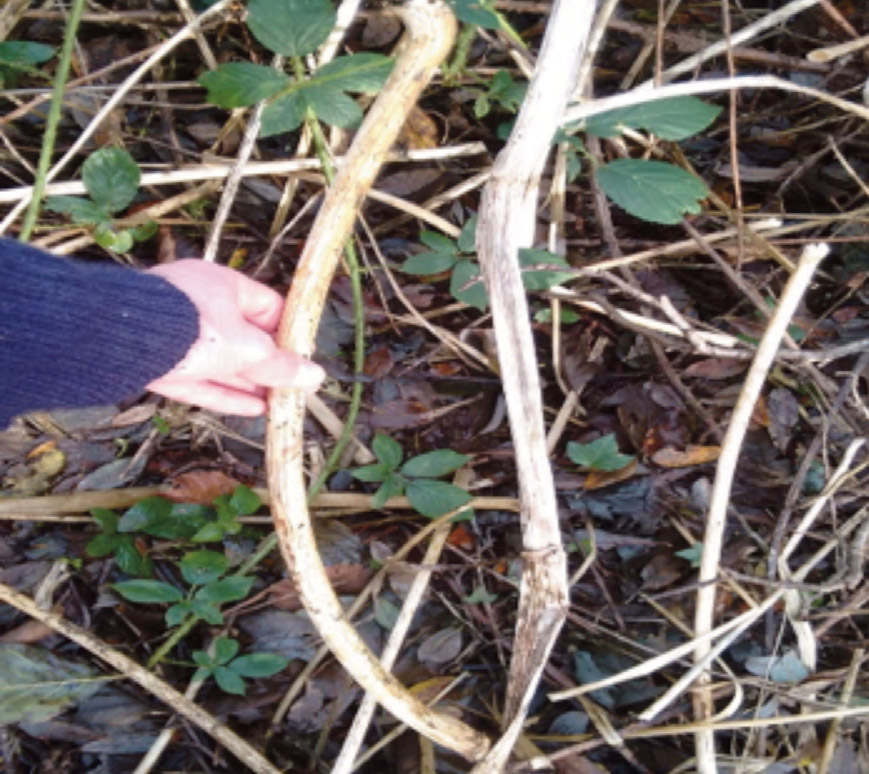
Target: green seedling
[[111, 178], [416, 478], [295, 29], [502, 92], [22, 56], [540, 268], [229, 670], [601, 455], [654, 191], [126, 553]]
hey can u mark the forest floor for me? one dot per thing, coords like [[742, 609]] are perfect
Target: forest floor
[[146, 524]]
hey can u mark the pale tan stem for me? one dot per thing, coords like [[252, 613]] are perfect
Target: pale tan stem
[[430, 33]]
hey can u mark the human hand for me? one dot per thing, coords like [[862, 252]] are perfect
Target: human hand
[[233, 362]]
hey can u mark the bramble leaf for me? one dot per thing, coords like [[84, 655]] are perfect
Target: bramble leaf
[[111, 177], [201, 567], [291, 27], [387, 450], [601, 454], [435, 498], [148, 591], [434, 464], [239, 84], [670, 119]]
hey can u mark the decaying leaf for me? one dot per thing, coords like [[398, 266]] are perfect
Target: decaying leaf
[[200, 486], [668, 457]]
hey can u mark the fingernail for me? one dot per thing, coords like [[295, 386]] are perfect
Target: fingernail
[[309, 376]]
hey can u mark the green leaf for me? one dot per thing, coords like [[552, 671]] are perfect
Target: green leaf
[[145, 231], [239, 84], [365, 73], [291, 27], [387, 450], [202, 674], [177, 613], [652, 190], [229, 681], [210, 533], [371, 473], [423, 264], [161, 518], [244, 501], [392, 486], [602, 454], [36, 685], [18, 53], [225, 649], [385, 612], [692, 554], [283, 114], [207, 612], [505, 91], [333, 106], [542, 279], [130, 559], [467, 286], [670, 119], [79, 209], [148, 591], [434, 464], [479, 596], [435, 498], [201, 567], [467, 241], [108, 520], [229, 589], [439, 243], [259, 665], [111, 177], [478, 12], [101, 545], [118, 241]]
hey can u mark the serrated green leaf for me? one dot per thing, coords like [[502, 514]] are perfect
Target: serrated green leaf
[[387, 450], [542, 279], [229, 589], [283, 114], [365, 73], [201, 567], [140, 515], [652, 190], [478, 12], [148, 591], [36, 685], [467, 240], [111, 177], [239, 84], [602, 454], [423, 264], [161, 518], [291, 27], [670, 119], [130, 559], [79, 209], [434, 464], [229, 681], [259, 665], [244, 501], [333, 106], [392, 486], [209, 533], [15, 53], [225, 649], [435, 498], [467, 286]]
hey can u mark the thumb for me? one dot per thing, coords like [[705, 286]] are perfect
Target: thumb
[[285, 369]]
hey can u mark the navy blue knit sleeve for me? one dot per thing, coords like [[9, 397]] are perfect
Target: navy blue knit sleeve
[[75, 333]]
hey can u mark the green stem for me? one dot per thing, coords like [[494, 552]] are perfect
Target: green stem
[[51, 123], [179, 634], [459, 61]]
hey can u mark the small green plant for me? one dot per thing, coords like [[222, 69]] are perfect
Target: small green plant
[[503, 91], [229, 670], [416, 478], [22, 56], [540, 267], [164, 519], [111, 178], [295, 29], [654, 191], [602, 454]]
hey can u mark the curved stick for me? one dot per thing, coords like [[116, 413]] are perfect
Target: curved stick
[[430, 32]]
